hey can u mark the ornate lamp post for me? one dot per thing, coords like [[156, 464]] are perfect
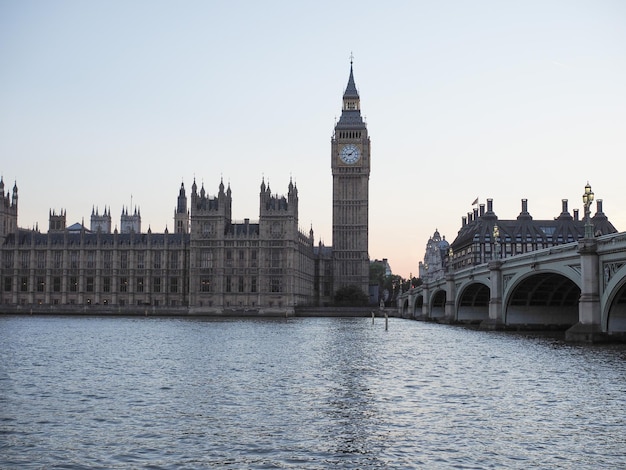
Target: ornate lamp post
[[587, 200], [496, 241]]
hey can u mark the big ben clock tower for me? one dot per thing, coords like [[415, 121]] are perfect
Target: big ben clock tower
[[350, 162]]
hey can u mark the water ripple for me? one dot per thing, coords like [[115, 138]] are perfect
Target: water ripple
[[302, 393]]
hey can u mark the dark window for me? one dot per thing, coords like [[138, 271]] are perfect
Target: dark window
[[141, 260], [124, 260], [74, 259]]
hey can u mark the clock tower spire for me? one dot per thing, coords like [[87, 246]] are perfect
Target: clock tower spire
[[350, 163]]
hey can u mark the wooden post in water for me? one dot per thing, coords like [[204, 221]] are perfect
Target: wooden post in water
[[373, 317], [386, 321]]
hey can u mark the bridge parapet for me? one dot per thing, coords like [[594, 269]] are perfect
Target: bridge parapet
[[597, 267]]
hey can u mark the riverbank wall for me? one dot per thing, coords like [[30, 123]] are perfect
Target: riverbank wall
[[139, 310]]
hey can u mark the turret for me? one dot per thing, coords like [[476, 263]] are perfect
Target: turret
[[8, 211], [181, 214], [100, 223], [210, 215], [278, 214], [130, 223], [14, 202], [292, 197], [57, 222]]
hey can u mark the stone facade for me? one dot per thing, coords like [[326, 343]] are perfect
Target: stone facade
[[435, 257], [350, 162], [265, 266], [211, 264], [218, 266]]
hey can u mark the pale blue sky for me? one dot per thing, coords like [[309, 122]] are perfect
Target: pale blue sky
[[505, 100]]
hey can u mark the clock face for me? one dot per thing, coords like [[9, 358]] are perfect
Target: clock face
[[350, 154]]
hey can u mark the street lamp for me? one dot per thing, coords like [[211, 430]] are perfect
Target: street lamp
[[587, 200], [450, 255], [496, 241]]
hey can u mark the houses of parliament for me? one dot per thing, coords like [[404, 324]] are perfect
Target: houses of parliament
[[209, 264]]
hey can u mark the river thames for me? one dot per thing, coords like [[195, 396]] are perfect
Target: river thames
[[303, 393]]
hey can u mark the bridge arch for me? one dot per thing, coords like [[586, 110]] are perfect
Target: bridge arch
[[405, 307], [614, 312], [418, 303], [542, 298], [472, 303], [438, 304]]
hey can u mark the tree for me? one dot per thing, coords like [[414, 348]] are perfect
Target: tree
[[351, 296], [377, 273]]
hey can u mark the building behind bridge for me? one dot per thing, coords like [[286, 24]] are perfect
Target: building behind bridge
[[484, 237]]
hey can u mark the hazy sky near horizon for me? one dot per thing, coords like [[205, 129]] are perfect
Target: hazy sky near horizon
[[102, 103]]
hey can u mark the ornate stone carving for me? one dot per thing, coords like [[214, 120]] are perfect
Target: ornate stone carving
[[609, 269], [506, 279]]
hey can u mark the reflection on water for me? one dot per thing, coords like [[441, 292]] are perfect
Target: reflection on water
[[302, 393]]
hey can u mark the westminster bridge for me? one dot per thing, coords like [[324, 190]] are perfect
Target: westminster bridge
[[580, 287]]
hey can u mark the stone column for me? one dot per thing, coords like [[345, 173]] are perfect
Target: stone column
[[450, 314], [425, 303], [496, 312], [589, 326]]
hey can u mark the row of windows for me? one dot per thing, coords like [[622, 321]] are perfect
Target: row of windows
[[241, 284], [350, 134], [89, 301], [206, 259], [106, 259], [482, 253], [232, 284], [73, 284]]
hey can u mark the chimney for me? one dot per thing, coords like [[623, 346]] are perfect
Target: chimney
[[564, 204], [599, 206], [463, 221], [524, 205], [475, 214], [575, 214], [489, 205], [482, 210]]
